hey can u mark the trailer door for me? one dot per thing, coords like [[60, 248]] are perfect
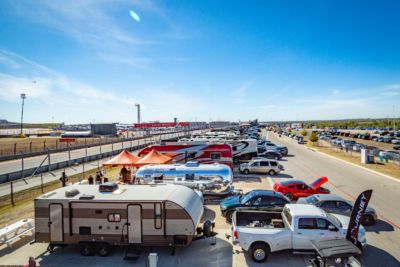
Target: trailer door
[[134, 224], [56, 226]]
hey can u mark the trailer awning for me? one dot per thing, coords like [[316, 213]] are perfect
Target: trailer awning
[[154, 157], [125, 158]]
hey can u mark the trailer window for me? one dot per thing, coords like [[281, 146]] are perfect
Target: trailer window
[[215, 155], [157, 215], [114, 217]]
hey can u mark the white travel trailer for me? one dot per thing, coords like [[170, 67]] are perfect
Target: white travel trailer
[[97, 217], [242, 148]]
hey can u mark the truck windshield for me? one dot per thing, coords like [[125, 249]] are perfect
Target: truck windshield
[[311, 199], [333, 218]]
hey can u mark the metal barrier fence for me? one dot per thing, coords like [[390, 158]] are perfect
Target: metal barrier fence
[[349, 150]]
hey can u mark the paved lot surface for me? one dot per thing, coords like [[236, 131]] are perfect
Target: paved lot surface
[[348, 181]]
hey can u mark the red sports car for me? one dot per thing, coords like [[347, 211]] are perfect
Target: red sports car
[[295, 188]]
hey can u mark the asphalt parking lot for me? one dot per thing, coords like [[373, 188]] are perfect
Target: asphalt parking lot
[[345, 180]]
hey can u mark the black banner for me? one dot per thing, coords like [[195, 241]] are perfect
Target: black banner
[[356, 216]]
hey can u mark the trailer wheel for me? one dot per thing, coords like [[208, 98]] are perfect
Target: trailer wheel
[[103, 249], [259, 252], [87, 249], [246, 171], [236, 160]]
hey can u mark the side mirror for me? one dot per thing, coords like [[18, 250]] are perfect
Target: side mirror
[[247, 204], [332, 228]]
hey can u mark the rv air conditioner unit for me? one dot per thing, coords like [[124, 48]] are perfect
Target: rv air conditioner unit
[[108, 187]]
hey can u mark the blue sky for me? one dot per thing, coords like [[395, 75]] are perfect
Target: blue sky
[[199, 59]]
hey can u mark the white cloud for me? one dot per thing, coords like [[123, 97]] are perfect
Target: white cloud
[[268, 106], [390, 93], [394, 86], [336, 91]]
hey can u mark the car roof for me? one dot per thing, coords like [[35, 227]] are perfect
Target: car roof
[[290, 182], [327, 197], [266, 192], [305, 210]]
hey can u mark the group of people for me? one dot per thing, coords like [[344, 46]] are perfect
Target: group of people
[[98, 178]]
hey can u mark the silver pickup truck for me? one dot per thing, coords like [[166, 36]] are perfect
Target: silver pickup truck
[[261, 232]]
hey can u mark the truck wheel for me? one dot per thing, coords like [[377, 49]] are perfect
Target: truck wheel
[[236, 160], [246, 171], [229, 216], [103, 249], [87, 249], [259, 252], [289, 196], [271, 172], [367, 220]]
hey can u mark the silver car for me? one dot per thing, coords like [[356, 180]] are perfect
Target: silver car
[[260, 166], [337, 205]]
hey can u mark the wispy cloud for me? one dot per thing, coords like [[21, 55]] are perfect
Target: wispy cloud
[[394, 86], [268, 106], [390, 93], [51, 86], [336, 91], [240, 93]]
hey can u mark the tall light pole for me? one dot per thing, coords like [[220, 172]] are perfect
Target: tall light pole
[[394, 121], [23, 97]]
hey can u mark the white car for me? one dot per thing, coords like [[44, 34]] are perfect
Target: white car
[[396, 141]]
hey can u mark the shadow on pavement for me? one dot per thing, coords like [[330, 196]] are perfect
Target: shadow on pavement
[[15, 245], [373, 256], [248, 180], [282, 175], [379, 226]]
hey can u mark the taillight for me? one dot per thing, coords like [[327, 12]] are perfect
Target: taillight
[[235, 234], [279, 167]]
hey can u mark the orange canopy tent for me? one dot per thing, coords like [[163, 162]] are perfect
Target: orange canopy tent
[[154, 157], [125, 158]]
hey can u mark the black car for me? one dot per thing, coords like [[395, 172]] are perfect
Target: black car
[[281, 150], [266, 200], [383, 133], [396, 147], [261, 149], [270, 155]]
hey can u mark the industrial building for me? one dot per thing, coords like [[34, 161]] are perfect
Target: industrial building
[[104, 128]]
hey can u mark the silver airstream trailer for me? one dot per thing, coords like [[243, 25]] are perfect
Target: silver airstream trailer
[[200, 175]]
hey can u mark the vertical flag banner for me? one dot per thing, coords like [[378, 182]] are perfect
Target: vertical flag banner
[[356, 216]]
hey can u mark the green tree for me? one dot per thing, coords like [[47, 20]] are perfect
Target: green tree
[[304, 133], [314, 137]]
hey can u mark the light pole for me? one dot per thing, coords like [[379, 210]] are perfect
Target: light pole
[[23, 97]]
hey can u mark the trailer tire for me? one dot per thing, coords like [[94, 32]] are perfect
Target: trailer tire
[[236, 160], [87, 249], [259, 252], [246, 171], [103, 249]]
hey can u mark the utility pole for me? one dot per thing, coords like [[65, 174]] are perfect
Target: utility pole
[[23, 97]]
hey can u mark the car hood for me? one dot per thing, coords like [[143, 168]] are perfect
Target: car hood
[[320, 181], [345, 220], [302, 200]]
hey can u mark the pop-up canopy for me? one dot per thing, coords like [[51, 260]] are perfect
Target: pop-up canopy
[[154, 157], [125, 158]]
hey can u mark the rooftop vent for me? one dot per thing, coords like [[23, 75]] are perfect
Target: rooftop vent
[[108, 187], [192, 164], [71, 193]]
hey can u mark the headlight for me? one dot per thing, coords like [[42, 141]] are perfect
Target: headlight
[[223, 207], [338, 260]]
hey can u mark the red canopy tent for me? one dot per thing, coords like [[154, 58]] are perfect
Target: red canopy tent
[[154, 157], [125, 158]]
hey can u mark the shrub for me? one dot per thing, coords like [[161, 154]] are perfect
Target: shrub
[[304, 133], [314, 137]]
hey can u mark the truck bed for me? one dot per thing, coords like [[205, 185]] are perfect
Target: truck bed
[[260, 219]]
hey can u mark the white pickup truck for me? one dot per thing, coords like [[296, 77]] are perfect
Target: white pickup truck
[[261, 232]]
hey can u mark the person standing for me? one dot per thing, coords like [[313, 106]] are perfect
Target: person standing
[[123, 174], [90, 179], [101, 178], [97, 178]]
